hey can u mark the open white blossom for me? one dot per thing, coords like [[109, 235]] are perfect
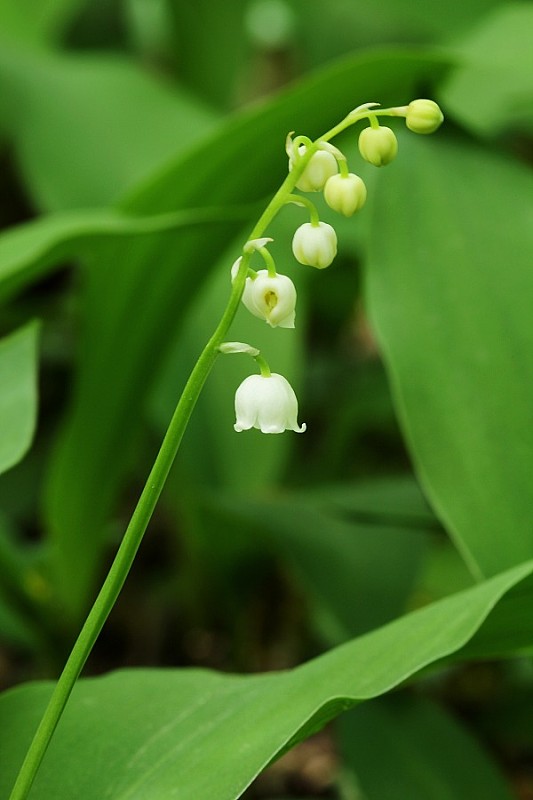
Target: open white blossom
[[272, 298], [267, 403], [315, 245]]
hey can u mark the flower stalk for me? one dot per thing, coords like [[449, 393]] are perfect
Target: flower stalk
[[268, 401]]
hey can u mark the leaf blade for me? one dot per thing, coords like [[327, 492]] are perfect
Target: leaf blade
[[18, 394], [183, 720], [451, 315]]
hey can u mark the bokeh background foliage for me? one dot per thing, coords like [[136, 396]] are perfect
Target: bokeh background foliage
[[138, 144]]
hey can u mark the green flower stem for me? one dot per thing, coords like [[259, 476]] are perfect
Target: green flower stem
[[130, 543], [154, 485], [145, 507], [343, 168], [299, 200], [269, 262], [263, 365], [364, 113]]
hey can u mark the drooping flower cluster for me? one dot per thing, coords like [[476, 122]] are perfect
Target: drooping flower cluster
[[267, 401]]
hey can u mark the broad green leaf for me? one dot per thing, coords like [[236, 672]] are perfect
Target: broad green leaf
[[18, 394], [492, 89], [429, 753], [86, 128], [449, 283], [35, 21], [130, 321], [193, 734], [31, 250]]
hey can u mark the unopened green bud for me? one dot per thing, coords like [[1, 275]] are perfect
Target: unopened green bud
[[378, 145], [423, 116], [345, 193]]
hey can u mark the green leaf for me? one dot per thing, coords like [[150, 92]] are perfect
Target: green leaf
[[197, 734], [31, 250], [86, 128], [18, 394], [430, 754], [34, 21], [449, 283], [492, 89]]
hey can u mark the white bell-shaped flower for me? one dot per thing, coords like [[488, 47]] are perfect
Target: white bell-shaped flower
[[272, 298], [315, 245], [267, 403], [321, 166]]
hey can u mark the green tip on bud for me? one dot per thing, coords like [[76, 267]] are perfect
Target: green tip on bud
[[423, 116], [378, 145]]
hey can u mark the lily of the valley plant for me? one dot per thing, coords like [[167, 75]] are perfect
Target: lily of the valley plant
[[265, 401]]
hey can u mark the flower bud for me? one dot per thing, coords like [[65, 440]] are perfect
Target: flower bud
[[267, 403], [423, 116], [378, 145], [271, 298], [321, 167], [315, 245], [345, 193]]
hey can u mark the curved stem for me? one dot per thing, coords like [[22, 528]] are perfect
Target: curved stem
[[269, 262], [130, 543], [263, 365], [365, 113], [343, 168], [145, 507], [299, 200], [154, 485]]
